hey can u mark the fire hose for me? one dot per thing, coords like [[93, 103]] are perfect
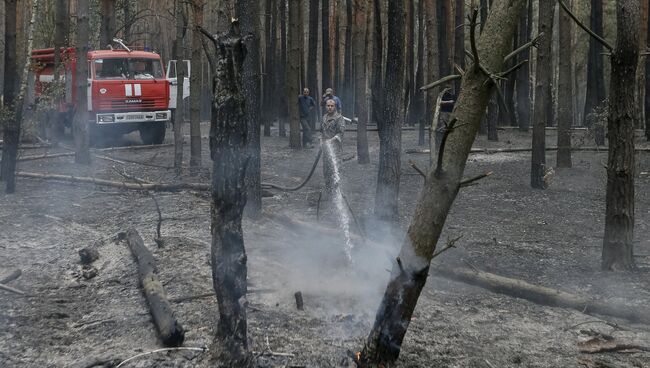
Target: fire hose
[[293, 189]]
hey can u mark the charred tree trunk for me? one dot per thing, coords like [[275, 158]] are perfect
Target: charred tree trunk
[[595, 70], [640, 71], [431, 25], [565, 92], [417, 99], [128, 20], [377, 72], [170, 330], [248, 12], [325, 24], [80, 126], [11, 129], [621, 122], [647, 87], [283, 114], [410, 270], [60, 38], [360, 111], [195, 89], [107, 28], [293, 73], [268, 110], [348, 78], [229, 153], [523, 74], [444, 30], [409, 39], [459, 39], [389, 124], [542, 95]]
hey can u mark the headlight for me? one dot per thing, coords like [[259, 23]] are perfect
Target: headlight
[[161, 116], [105, 118]]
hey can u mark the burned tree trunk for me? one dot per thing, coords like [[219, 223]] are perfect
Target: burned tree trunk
[[565, 93], [294, 50], [522, 83], [229, 153], [411, 268], [595, 70], [360, 111], [195, 89], [179, 114], [621, 122], [80, 126], [107, 28], [11, 129]]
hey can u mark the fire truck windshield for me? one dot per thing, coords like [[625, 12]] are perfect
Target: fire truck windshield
[[127, 68]]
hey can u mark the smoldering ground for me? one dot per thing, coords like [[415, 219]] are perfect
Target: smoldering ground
[[550, 238]]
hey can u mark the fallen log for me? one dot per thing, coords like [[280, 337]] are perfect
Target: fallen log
[[44, 156], [159, 187], [170, 330], [11, 277], [11, 289], [540, 294]]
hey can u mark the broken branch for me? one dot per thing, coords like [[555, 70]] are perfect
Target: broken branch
[[466, 182], [585, 28], [440, 81], [532, 43]]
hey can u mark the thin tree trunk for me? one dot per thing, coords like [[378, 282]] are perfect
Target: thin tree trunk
[[195, 89], [459, 39], [248, 12], [444, 27], [360, 111], [523, 74], [312, 56], [61, 31], [377, 57], [390, 120], [565, 92], [595, 70], [409, 44], [433, 62], [282, 67], [621, 121], [325, 29], [542, 94], [411, 268], [179, 116], [641, 72], [270, 77], [293, 73], [418, 99], [647, 87], [348, 81], [229, 153], [11, 129], [128, 20], [107, 28], [80, 126]]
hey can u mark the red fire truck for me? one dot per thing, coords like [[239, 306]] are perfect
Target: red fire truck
[[128, 90]]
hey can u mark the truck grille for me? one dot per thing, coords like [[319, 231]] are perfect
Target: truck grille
[[121, 104]]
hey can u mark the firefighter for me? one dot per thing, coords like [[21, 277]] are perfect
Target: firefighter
[[332, 130]]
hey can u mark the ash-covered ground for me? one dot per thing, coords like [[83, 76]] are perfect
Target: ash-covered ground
[[550, 238]]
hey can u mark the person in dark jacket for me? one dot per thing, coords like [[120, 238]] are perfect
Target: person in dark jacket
[[306, 104]]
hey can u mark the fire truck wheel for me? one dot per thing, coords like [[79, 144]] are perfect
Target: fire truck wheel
[[153, 133]]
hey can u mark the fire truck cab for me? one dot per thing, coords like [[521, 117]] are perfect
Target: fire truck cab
[[128, 90]]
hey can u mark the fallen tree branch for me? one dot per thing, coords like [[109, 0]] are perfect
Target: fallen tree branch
[[44, 156], [159, 187], [416, 168], [540, 294], [467, 182], [532, 43], [170, 330], [11, 277], [598, 345], [11, 289]]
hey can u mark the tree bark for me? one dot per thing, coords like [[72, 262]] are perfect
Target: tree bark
[[390, 121], [647, 87], [229, 153], [445, 29], [107, 27], [312, 56], [179, 115], [80, 126], [411, 268], [195, 89], [459, 39], [431, 25], [523, 74], [360, 111], [595, 70], [293, 73], [170, 330], [418, 99], [565, 92], [248, 12], [621, 122], [542, 94], [11, 129], [377, 71], [325, 30], [283, 114], [640, 71]]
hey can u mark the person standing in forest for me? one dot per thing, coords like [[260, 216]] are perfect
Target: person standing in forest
[[329, 95], [332, 130], [306, 104]]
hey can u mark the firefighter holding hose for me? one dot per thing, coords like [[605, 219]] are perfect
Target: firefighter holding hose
[[332, 130]]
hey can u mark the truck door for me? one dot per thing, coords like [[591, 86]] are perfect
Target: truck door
[[173, 81]]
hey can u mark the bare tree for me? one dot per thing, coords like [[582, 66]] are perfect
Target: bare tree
[[522, 78], [410, 270], [565, 92], [360, 111], [196, 88], [389, 124], [80, 126], [542, 95], [229, 153], [108, 25], [179, 55], [293, 72], [621, 122]]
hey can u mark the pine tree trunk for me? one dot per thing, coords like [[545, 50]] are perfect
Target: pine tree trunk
[[542, 94], [389, 124], [595, 70], [195, 89], [325, 29], [444, 30], [378, 64], [312, 56], [565, 92], [621, 122], [80, 126], [270, 100], [128, 20], [248, 13], [459, 39], [409, 40], [107, 28], [418, 95], [230, 155], [179, 114], [523, 74], [647, 87], [431, 26], [360, 111], [293, 73], [283, 114], [410, 270], [11, 129], [640, 71]]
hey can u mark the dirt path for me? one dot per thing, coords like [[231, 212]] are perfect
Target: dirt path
[[550, 237]]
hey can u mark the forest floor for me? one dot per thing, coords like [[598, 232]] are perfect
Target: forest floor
[[547, 237]]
